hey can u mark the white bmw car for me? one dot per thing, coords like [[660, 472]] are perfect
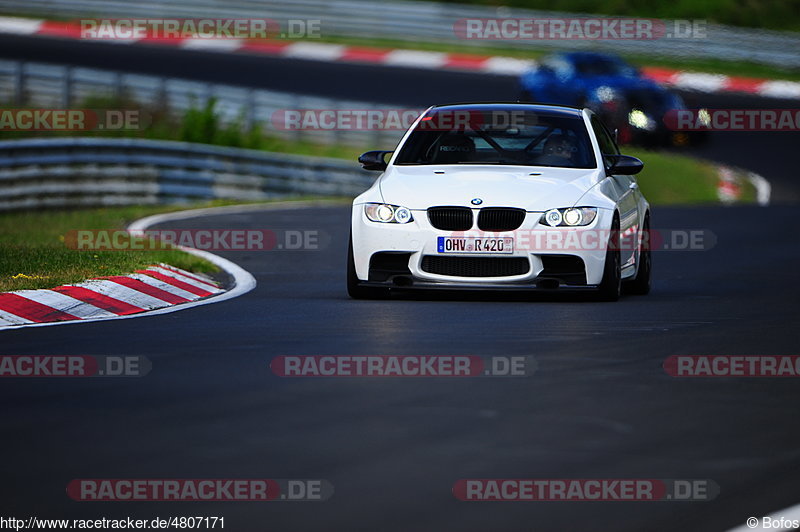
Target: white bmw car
[[501, 197]]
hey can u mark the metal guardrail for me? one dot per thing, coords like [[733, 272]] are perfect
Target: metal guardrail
[[64, 86], [74, 172], [77, 171], [425, 21]]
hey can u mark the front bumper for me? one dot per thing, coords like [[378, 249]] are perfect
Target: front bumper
[[395, 255]]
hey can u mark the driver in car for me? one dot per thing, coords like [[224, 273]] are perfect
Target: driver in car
[[560, 146]]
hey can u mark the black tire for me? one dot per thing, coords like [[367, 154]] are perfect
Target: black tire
[[354, 289], [640, 285], [610, 287]]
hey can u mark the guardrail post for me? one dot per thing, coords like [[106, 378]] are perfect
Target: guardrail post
[[119, 88], [66, 87], [250, 110], [19, 84], [162, 95], [297, 134], [208, 95]]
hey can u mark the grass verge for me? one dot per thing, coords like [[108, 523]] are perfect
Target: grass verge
[[673, 179], [33, 253]]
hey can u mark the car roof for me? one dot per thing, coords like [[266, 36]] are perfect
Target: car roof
[[590, 56], [512, 106]]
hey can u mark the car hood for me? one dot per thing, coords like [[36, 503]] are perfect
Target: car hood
[[420, 187]]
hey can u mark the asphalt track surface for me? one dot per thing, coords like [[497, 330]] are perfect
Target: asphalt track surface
[[599, 406]]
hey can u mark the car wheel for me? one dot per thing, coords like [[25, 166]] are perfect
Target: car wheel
[[354, 289], [640, 285], [611, 285]]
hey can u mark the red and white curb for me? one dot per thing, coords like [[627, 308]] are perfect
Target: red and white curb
[[697, 81], [159, 289], [731, 180], [153, 288]]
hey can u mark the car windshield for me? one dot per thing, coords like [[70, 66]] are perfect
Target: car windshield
[[509, 137]]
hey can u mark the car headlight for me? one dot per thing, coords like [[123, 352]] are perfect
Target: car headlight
[[638, 119], [387, 214], [571, 217], [606, 94], [704, 117]]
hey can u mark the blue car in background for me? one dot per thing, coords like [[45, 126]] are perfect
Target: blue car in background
[[624, 99]]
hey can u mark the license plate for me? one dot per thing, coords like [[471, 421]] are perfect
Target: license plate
[[448, 244]]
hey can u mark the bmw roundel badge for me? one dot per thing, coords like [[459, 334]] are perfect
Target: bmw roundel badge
[[476, 201]]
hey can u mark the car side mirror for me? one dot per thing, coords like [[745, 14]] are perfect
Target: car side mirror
[[373, 160], [625, 165]]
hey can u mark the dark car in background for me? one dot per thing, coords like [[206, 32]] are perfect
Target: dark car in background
[[618, 92]]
